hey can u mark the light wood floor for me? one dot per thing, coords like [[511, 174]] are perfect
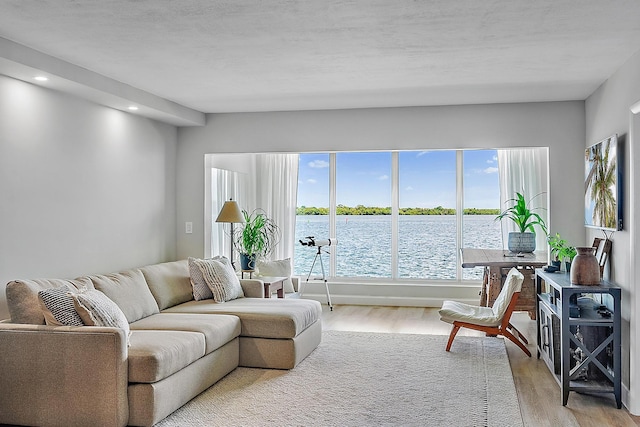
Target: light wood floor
[[538, 392]]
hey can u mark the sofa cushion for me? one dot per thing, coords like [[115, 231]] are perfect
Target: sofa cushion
[[129, 291], [217, 330], [154, 355], [58, 308], [22, 297], [221, 279], [278, 268], [169, 282], [261, 317]]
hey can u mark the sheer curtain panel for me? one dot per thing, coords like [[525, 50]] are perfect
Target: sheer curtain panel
[[524, 170], [276, 193]]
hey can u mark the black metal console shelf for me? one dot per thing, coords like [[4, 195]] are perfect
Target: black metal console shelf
[[579, 334]]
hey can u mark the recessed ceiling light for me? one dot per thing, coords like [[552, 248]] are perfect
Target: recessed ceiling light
[[41, 78], [132, 108]]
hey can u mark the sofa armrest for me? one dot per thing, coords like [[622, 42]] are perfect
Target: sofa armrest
[[252, 288], [63, 375]]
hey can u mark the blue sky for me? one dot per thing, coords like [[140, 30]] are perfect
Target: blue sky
[[427, 179]]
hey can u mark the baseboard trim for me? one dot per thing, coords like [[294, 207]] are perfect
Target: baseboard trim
[[384, 300]]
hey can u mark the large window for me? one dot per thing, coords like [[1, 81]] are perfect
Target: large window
[[363, 182], [427, 221], [313, 208], [398, 214]]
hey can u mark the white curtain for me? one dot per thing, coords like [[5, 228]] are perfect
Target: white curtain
[[276, 194], [225, 185], [524, 170]]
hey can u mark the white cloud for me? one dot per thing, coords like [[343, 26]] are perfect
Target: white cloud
[[319, 164], [492, 160], [422, 153], [490, 170], [383, 177], [409, 188], [311, 181]]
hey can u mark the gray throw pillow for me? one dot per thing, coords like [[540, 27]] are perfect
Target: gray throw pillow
[[58, 308]]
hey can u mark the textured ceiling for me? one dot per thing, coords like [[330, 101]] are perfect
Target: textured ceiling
[[259, 55]]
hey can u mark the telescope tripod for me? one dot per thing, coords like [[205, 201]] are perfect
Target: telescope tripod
[[324, 277]]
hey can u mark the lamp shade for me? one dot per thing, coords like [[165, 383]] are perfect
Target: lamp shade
[[230, 212]]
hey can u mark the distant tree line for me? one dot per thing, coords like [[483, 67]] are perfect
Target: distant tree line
[[372, 210]]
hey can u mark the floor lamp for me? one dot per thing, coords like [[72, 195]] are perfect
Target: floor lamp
[[230, 213]]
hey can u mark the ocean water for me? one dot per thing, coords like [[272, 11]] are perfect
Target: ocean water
[[426, 245]]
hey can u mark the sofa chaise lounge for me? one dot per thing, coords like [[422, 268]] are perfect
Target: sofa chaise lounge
[[177, 348]]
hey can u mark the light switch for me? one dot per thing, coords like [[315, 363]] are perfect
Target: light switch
[[188, 227]]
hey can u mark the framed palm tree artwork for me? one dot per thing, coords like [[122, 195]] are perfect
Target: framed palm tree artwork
[[603, 185]]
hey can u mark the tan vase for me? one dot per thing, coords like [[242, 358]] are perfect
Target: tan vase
[[585, 269]]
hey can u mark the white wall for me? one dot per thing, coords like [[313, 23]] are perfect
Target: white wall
[[83, 188], [608, 112], [558, 125]]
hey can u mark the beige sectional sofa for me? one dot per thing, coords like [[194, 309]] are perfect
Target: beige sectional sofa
[[178, 347]]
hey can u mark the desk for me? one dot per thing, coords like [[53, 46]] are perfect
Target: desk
[[497, 263]]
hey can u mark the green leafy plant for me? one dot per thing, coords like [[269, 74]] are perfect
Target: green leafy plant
[[560, 249], [522, 216], [556, 244], [567, 253], [258, 235]]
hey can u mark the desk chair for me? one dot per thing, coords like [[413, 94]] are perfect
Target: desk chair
[[491, 320]]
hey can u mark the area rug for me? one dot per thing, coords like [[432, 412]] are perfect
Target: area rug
[[368, 379]]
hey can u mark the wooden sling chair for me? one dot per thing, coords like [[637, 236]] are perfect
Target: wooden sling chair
[[492, 320]]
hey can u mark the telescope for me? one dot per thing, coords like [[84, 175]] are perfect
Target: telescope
[[312, 241]]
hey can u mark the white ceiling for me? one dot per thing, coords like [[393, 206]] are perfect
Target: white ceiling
[[261, 55]]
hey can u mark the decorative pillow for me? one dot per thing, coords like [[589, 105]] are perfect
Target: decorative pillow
[[220, 278], [200, 289], [280, 268], [96, 309], [57, 307]]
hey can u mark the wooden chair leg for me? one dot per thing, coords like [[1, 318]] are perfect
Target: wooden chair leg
[[522, 337], [517, 342], [454, 331]]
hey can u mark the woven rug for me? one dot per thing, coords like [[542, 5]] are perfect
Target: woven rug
[[368, 379]]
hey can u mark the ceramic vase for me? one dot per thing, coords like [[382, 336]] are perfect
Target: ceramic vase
[[585, 269]]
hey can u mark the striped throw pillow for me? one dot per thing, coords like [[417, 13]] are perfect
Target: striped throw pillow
[[96, 309], [221, 279]]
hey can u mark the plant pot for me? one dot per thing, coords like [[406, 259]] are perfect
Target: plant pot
[[556, 263], [522, 242], [585, 269], [247, 262]]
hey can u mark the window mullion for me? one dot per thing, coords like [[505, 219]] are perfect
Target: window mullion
[[332, 212], [395, 212], [459, 209]]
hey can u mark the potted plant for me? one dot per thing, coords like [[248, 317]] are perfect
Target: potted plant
[[257, 237], [556, 244], [525, 220], [567, 254]]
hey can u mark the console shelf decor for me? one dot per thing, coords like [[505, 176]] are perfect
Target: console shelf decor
[[579, 334]]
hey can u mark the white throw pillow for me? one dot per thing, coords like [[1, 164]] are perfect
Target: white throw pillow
[[96, 309], [279, 268], [220, 278]]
